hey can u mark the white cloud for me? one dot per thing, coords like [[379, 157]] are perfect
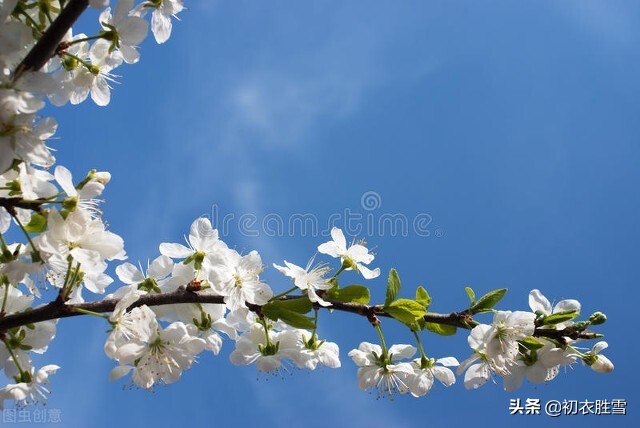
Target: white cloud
[[610, 21]]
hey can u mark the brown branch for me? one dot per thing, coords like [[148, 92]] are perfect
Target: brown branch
[[46, 47], [58, 309], [10, 204]]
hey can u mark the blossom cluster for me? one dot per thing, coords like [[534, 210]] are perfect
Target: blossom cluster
[[53, 238], [140, 344], [67, 244], [506, 347]]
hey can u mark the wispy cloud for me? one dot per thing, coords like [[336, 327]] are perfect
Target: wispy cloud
[[610, 21]]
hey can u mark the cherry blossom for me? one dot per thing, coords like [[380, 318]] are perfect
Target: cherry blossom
[[308, 279], [424, 372], [32, 390], [237, 278], [161, 358], [353, 258], [383, 372]]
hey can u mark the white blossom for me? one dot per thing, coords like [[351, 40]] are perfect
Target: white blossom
[[203, 241], [421, 380], [598, 363], [162, 358], [540, 304], [126, 31], [354, 257], [538, 366], [308, 279], [310, 352], [387, 375], [33, 391], [163, 11], [252, 347], [237, 278]]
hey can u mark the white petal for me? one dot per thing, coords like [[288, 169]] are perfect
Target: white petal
[[567, 305], [600, 346], [448, 361], [338, 238], [160, 26], [175, 251], [129, 274], [368, 273], [444, 375], [65, 180], [537, 302], [161, 267], [119, 371], [402, 352]]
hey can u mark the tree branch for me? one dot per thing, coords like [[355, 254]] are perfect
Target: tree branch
[[46, 47], [58, 309], [10, 204]]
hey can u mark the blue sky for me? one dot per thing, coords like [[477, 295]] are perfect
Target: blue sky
[[510, 124]]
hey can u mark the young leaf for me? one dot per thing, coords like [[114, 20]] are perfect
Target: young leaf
[[301, 305], [441, 329], [296, 320], [37, 223], [559, 317], [488, 301], [531, 343], [350, 294], [423, 297], [419, 325], [275, 311], [406, 311], [393, 287], [471, 294]]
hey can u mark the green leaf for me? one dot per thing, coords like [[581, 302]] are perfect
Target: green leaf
[[559, 317], [471, 294], [423, 297], [441, 329], [418, 325], [393, 287], [531, 343], [300, 305], [350, 294], [275, 311], [406, 311], [488, 301], [37, 223], [296, 320]]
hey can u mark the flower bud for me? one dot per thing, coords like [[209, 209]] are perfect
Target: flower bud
[[602, 364], [102, 177], [597, 318]]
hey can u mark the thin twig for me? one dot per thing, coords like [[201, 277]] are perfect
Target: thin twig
[[47, 46]]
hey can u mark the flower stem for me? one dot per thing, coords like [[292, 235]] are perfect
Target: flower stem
[[85, 39], [342, 268], [13, 356], [284, 293], [385, 352], [266, 330], [36, 253], [6, 294], [88, 312], [315, 323], [423, 357], [580, 354]]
